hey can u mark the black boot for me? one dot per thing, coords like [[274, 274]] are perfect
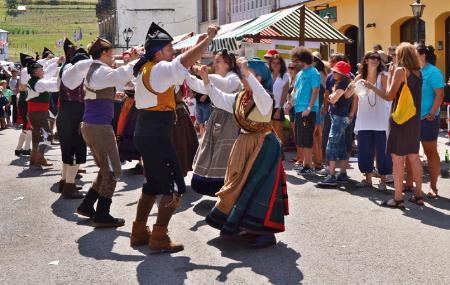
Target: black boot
[[86, 208], [102, 217]]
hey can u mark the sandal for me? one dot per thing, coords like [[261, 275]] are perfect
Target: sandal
[[417, 200], [433, 194], [408, 189], [398, 204]]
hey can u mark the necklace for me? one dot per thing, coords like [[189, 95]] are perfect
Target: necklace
[[368, 98]]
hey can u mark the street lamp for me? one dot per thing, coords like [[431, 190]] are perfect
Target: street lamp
[[329, 18], [417, 9], [127, 35]]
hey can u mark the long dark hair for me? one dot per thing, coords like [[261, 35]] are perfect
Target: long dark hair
[[230, 59], [428, 51], [283, 67], [365, 66]]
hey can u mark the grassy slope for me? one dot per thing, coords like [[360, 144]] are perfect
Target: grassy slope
[[48, 23]]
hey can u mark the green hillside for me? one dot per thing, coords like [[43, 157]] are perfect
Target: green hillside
[[45, 23]]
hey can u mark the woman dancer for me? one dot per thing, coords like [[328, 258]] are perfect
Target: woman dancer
[[254, 197], [210, 162]]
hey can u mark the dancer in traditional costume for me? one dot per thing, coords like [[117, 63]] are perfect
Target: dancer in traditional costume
[[254, 197], [70, 116], [38, 103], [157, 75], [100, 81], [24, 143], [211, 159]]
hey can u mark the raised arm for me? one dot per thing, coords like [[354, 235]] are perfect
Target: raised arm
[[47, 85], [74, 75], [220, 99], [190, 57], [121, 75], [263, 100]]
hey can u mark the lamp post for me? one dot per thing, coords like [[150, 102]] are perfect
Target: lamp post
[[417, 9], [127, 35], [328, 18]]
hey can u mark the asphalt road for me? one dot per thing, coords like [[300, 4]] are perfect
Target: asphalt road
[[334, 236]]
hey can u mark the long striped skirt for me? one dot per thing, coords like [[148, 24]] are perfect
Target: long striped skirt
[[262, 203]]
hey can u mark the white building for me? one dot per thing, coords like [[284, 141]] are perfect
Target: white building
[[177, 17], [3, 44]]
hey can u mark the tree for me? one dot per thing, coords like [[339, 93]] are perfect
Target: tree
[[11, 6]]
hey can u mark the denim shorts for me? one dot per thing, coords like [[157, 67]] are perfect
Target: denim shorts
[[203, 111], [336, 148], [429, 130]]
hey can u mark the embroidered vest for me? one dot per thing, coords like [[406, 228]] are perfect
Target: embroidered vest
[[92, 94], [34, 96], [67, 95], [147, 98], [247, 115]]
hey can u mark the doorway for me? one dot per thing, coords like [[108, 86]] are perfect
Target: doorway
[[351, 50]]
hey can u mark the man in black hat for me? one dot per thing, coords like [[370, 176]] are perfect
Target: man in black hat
[[38, 98], [24, 143], [157, 75], [100, 81], [70, 116]]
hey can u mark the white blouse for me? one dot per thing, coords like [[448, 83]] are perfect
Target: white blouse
[[278, 87], [225, 101], [229, 84]]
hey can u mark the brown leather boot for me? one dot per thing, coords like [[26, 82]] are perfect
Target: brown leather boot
[[41, 161], [161, 242], [70, 191], [140, 234]]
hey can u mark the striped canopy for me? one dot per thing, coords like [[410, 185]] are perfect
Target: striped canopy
[[187, 43], [283, 24]]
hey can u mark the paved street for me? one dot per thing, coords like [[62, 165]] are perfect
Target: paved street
[[334, 236]]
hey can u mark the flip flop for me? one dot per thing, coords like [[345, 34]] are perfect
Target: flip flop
[[397, 204], [417, 200]]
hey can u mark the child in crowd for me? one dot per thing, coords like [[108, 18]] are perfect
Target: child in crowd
[[192, 104], [339, 112], [3, 104]]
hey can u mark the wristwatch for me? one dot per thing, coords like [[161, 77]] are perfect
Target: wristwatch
[[309, 108]]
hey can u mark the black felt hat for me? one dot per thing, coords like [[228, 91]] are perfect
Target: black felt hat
[[156, 39], [46, 52], [80, 54], [25, 59], [32, 66], [69, 49]]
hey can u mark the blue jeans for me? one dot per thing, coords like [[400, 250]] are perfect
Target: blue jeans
[[373, 144], [336, 147], [203, 112]]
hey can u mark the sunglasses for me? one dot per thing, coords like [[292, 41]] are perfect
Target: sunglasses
[[375, 58]]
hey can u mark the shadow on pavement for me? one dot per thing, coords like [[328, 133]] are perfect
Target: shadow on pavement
[[202, 209], [99, 243], [281, 256], [30, 172]]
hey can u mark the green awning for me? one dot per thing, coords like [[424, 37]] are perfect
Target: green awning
[[283, 24]]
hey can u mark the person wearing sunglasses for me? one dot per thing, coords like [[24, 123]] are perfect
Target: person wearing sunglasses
[[372, 121], [210, 161]]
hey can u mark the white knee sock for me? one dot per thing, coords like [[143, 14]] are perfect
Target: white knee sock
[[21, 140], [71, 172], [28, 138]]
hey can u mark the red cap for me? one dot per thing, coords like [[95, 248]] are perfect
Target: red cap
[[342, 68], [271, 53]]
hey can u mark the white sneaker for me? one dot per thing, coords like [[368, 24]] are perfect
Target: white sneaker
[[323, 172]]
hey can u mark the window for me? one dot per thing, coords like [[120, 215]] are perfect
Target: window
[[205, 12], [408, 31], [214, 11]]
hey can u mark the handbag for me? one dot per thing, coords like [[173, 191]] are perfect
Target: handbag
[[405, 109]]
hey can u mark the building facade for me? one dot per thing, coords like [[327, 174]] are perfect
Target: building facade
[[390, 23], [177, 17]]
